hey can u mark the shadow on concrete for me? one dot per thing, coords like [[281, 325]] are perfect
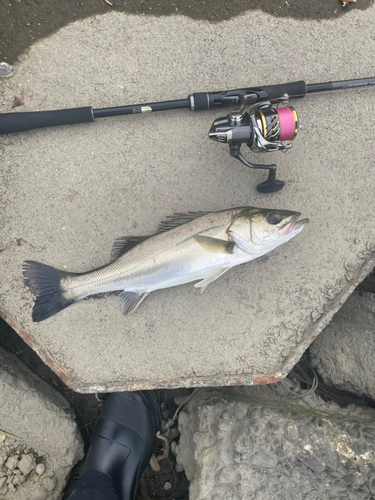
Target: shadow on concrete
[[23, 22]]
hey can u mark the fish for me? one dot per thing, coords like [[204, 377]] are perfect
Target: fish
[[192, 246]]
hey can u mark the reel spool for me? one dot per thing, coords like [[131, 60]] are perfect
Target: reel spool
[[264, 128], [278, 124]]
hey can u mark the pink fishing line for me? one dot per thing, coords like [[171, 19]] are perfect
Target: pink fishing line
[[287, 124]]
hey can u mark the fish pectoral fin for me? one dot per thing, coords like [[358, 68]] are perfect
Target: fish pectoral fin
[[129, 301], [210, 278], [124, 244], [214, 245]]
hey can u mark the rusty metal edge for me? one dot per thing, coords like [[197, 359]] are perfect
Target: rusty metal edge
[[140, 385], [135, 386], [44, 356], [176, 384]]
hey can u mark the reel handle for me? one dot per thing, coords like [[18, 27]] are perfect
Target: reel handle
[[271, 185]]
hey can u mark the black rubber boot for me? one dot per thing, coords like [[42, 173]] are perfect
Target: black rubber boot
[[124, 440]]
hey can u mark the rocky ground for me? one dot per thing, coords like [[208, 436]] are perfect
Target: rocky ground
[[19, 465], [23, 471], [39, 439], [276, 442]]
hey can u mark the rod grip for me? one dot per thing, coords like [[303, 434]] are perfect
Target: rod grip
[[295, 89], [18, 122]]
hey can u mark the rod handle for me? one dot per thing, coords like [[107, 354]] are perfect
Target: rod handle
[[18, 122]]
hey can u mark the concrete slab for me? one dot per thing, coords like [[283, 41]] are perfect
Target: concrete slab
[[67, 193]]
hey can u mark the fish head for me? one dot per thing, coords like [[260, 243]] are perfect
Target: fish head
[[259, 230]]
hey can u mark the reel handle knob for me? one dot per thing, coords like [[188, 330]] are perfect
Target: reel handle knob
[[271, 185]]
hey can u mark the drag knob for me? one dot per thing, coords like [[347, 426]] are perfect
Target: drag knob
[[236, 118]]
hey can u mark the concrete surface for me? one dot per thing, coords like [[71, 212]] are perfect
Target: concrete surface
[[343, 354], [259, 443], [67, 193], [29, 21], [41, 442]]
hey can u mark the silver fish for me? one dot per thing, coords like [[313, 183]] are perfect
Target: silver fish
[[188, 247]]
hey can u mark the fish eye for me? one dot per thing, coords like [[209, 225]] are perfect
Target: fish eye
[[274, 218]]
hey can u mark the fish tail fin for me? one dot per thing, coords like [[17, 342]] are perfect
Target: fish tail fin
[[45, 284]]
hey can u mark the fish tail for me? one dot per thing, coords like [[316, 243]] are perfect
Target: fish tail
[[45, 284]]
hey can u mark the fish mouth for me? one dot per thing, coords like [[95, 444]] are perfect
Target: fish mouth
[[294, 225]]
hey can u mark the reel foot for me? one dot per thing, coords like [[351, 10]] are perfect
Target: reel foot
[[271, 185]]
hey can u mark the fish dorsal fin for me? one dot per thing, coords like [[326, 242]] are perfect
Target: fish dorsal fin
[[214, 245], [124, 244], [129, 301], [178, 219]]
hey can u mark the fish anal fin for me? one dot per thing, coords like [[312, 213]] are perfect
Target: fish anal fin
[[129, 301], [124, 244], [203, 284], [214, 245]]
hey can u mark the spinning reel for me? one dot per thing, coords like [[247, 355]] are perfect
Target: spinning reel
[[263, 128]]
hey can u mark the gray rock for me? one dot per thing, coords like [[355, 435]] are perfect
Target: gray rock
[[178, 468], [49, 483], [19, 479], [27, 464], [40, 494], [3, 458], [3, 481], [343, 354], [40, 468], [33, 478], [12, 462], [173, 447], [11, 488], [258, 443], [44, 422]]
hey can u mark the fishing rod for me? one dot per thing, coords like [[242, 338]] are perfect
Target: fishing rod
[[266, 127]]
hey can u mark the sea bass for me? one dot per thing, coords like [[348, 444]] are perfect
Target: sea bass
[[188, 247]]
